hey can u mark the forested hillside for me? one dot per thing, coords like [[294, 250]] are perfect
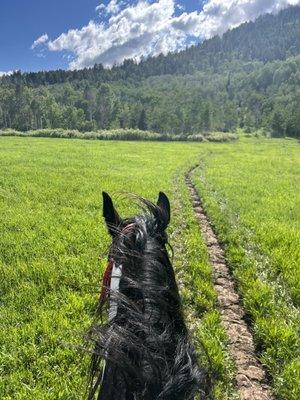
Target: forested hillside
[[249, 78]]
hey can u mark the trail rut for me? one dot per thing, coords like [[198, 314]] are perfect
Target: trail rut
[[251, 379]]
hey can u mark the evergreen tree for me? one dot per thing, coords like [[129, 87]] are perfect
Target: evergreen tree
[[249, 78], [142, 123], [277, 124], [206, 121]]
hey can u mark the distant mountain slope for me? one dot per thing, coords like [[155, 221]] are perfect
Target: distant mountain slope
[[270, 37], [249, 79]]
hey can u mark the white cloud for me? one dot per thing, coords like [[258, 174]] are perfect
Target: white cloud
[[113, 7], [180, 7], [41, 40], [218, 15], [2, 73], [136, 31], [150, 28], [100, 7]]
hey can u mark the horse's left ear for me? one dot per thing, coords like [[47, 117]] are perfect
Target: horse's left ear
[[110, 214], [164, 204]]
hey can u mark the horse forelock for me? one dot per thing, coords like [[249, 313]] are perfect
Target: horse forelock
[[136, 236]]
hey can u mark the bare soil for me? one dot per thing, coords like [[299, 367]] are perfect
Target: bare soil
[[251, 379]]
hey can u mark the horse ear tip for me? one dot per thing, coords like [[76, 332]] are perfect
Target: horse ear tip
[[162, 197]]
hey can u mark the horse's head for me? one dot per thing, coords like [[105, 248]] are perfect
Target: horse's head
[[144, 342], [131, 234]]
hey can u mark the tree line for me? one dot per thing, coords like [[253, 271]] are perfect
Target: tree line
[[249, 78]]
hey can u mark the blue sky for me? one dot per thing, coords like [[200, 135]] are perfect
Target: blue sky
[[38, 35], [23, 21]]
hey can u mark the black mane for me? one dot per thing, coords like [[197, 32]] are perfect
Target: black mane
[[146, 346]]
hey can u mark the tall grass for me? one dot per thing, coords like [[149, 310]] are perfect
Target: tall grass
[[52, 236], [54, 244], [121, 134], [251, 193]]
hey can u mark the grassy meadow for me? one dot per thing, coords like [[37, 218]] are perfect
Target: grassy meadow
[[53, 248], [251, 193], [54, 245]]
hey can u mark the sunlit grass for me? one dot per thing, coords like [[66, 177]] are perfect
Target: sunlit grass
[[251, 192], [52, 235], [53, 247]]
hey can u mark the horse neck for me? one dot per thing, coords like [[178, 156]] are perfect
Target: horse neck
[[157, 288]]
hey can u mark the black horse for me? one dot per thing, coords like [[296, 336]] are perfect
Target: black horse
[[143, 352]]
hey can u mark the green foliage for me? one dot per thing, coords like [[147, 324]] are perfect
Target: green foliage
[[142, 124], [116, 134], [247, 79], [120, 134], [220, 137], [278, 124]]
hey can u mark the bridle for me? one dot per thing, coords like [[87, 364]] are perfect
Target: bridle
[[111, 280]]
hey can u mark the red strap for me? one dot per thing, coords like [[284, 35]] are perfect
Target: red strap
[[106, 283]]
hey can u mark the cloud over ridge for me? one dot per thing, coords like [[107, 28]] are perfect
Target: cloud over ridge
[[146, 28]]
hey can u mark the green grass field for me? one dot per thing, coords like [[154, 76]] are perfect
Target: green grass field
[[54, 244], [251, 193]]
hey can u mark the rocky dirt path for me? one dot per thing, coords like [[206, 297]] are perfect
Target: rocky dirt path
[[250, 378]]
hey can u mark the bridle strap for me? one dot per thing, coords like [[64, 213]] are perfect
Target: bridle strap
[[110, 284], [105, 286], [111, 280], [114, 288]]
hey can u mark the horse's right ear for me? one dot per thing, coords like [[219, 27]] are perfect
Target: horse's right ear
[[111, 216], [164, 205]]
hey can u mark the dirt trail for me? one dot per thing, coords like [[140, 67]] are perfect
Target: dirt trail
[[250, 379]]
